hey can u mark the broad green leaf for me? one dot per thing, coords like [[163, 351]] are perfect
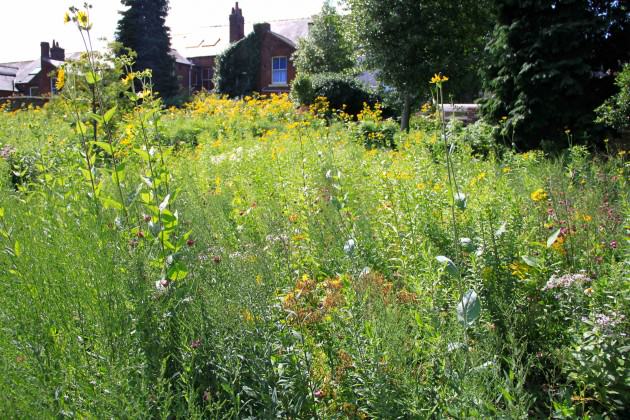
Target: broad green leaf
[[92, 77], [164, 203], [177, 271], [451, 268], [109, 114], [531, 261], [143, 154], [553, 238], [119, 172], [469, 308], [105, 146], [110, 203], [81, 128], [95, 117]]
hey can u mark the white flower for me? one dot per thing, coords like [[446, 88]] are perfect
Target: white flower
[[349, 246]]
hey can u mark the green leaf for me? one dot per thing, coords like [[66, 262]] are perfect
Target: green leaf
[[164, 203], [531, 261], [109, 114], [469, 308], [92, 77], [1, 212], [177, 272], [553, 238], [110, 203], [451, 268], [105, 146], [17, 249], [143, 154]]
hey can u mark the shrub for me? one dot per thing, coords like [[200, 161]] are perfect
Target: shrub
[[302, 91], [342, 91], [615, 112]]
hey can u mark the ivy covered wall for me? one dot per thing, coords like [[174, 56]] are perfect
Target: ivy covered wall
[[238, 67]]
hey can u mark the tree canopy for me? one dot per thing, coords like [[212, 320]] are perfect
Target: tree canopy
[[408, 41], [327, 49], [550, 65], [142, 28]]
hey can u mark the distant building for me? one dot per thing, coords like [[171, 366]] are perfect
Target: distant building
[[195, 56], [31, 78], [201, 48]]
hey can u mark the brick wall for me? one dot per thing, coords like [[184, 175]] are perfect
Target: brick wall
[[274, 46]]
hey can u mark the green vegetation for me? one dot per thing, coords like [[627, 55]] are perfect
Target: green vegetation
[[238, 67], [546, 68], [142, 28], [245, 259], [327, 48]]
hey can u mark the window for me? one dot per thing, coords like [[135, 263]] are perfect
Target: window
[[279, 71], [206, 78], [33, 91]]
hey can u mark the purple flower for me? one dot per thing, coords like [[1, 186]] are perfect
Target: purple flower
[[565, 281]]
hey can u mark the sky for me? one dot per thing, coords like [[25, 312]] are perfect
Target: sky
[[26, 23]]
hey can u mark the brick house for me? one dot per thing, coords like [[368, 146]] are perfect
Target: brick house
[[31, 78], [195, 56], [201, 48]]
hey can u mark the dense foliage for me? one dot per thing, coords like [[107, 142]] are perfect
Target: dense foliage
[[408, 41], [247, 259], [343, 92], [142, 29], [615, 112], [238, 67], [547, 67], [327, 48]]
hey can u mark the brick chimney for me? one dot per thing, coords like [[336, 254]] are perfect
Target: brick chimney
[[57, 53], [45, 48], [237, 24]]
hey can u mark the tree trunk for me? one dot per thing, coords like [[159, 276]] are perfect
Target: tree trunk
[[404, 119]]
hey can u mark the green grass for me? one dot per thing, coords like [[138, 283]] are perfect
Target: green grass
[[277, 314]]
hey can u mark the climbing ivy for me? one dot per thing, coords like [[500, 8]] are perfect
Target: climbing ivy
[[238, 67]]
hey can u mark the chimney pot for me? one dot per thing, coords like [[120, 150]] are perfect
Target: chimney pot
[[45, 49], [237, 24]]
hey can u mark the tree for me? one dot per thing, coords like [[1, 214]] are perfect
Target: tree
[[408, 41], [548, 62], [142, 29], [327, 49]]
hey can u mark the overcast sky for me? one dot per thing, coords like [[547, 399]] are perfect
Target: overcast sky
[[26, 23]]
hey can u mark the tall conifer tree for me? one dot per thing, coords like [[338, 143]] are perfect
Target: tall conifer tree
[[142, 28]]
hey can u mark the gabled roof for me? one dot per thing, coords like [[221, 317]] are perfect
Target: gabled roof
[[179, 58], [210, 41]]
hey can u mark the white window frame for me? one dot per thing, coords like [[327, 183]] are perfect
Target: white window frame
[[285, 70]]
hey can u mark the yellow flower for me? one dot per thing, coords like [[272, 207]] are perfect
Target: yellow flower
[[128, 78], [61, 79], [586, 218], [507, 170], [247, 315], [82, 18], [588, 291], [438, 79], [66, 18], [538, 195]]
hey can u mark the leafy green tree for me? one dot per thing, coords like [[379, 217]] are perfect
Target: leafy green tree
[[142, 28], [327, 49], [408, 41], [548, 67]]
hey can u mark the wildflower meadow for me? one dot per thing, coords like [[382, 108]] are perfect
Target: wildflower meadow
[[243, 258]]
